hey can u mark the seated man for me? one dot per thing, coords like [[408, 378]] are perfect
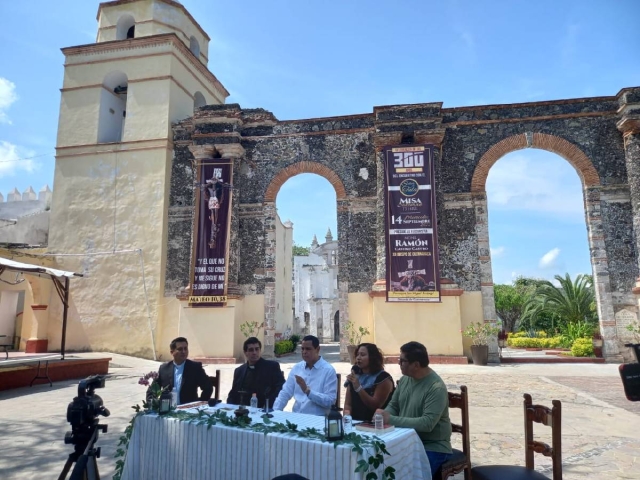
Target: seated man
[[312, 382], [183, 376], [259, 376], [421, 402]]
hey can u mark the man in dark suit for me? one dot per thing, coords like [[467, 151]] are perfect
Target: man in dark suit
[[183, 376], [259, 376]]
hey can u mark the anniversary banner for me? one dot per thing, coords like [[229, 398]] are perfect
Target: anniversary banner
[[210, 240], [411, 238]]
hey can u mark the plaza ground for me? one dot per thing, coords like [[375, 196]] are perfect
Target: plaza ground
[[600, 428]]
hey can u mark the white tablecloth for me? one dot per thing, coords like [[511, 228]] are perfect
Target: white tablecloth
[[165, 448]]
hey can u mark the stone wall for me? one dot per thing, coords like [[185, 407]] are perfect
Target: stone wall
[[347, 151]]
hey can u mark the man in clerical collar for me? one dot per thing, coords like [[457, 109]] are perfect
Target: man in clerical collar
[[257, 375], [312, 382], [182, 375]]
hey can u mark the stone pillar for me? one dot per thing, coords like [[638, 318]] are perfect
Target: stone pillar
[[486, 275], [601, 281], [269, 215], [381, 256]]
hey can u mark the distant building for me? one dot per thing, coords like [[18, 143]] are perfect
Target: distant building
[[24, 217], [315, 279]]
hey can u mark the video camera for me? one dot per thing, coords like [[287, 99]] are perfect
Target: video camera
[[82, 414]]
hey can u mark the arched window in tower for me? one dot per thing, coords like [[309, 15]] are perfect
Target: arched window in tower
[[125, 28], [113, 108], [198, 101], [194, 46]]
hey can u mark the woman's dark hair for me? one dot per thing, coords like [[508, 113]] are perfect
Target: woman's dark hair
[[376, 360]]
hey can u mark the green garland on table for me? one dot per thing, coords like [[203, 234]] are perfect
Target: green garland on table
[[370, 448]]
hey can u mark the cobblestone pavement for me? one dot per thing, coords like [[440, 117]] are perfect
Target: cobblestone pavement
[[600, 429]]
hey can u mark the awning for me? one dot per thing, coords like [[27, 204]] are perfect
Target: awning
[[6, 264], [55, 276]]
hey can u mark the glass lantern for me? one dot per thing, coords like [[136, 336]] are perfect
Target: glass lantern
[[333, 425], [165, 402]]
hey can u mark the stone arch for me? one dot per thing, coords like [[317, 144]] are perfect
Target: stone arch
[[194, 46], [543, 141], [198, 100], [304, 167], [113, 107]]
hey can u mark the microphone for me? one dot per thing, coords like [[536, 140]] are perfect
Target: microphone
[[355, 369]]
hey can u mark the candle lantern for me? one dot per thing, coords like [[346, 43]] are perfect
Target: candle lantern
[[333, 425], [165, 402]]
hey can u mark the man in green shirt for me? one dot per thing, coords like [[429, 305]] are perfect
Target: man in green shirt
[[421, 402]]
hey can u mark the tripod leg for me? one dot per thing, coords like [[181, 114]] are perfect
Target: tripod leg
[[92, 469], [67, 467]]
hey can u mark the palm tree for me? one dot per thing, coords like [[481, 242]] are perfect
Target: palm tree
[[571, 301]]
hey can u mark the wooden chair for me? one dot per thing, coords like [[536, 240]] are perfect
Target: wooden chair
[[215, 381], [338, 392], [551, 417], [461, 460]]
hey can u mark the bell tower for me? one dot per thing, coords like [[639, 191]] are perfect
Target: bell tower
[[120, 95]]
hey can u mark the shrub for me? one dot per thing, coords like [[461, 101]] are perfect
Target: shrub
[[526, 342], [283, 346], [295, 339], [582, 347]]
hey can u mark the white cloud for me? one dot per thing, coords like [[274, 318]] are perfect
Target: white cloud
[[10, 162], [548, 260], [7, 97], [535, 181], [497, 252]]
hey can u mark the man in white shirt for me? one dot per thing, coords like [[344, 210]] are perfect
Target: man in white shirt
[[312, 382]]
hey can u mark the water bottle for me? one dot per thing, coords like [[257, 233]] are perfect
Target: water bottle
[[378, 422], [254, 403], [347, 422]]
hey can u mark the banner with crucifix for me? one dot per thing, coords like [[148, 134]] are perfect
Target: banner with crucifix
[[211, 233], [411, 239]]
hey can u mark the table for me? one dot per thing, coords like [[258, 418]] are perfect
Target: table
[[165, 448]]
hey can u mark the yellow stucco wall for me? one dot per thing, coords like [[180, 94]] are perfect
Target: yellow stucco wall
[[471, 310], [436, 325], [361, 313]]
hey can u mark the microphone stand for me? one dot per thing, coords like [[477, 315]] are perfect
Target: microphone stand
[[266, 405]]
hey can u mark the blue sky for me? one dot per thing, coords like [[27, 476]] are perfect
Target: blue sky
[[314, 59]]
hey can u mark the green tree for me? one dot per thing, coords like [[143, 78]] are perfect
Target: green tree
[[299, 250], [571, 302], [511, 300]]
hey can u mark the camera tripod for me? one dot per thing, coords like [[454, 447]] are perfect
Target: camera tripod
[[84, 456]]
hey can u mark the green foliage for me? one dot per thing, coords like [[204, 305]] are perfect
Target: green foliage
[[571, 302], [370, 449], [574, 331], [528, 342], [510, 301], [480, 332], [355, 334], [295, 339], [251, 329], [284, 346], [300, 251], [582, 347]]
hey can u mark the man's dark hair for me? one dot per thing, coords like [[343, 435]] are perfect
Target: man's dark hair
[[314, 340], [251, 341], [376, 360], [175, 341], [416, 352]]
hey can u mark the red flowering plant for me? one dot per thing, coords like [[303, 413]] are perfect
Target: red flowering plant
[[156, 391]]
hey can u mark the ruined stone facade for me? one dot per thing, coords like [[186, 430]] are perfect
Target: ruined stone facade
[[598, 136]]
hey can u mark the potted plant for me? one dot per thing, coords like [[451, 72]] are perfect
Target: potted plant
[[354, 336], [480, 333]]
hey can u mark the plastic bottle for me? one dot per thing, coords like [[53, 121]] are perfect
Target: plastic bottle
[[254, 403], [378, 422], [347, 422]]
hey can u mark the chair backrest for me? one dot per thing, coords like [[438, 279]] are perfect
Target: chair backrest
[[461, 401], [215, 381], [338, 391], [551, 417]]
